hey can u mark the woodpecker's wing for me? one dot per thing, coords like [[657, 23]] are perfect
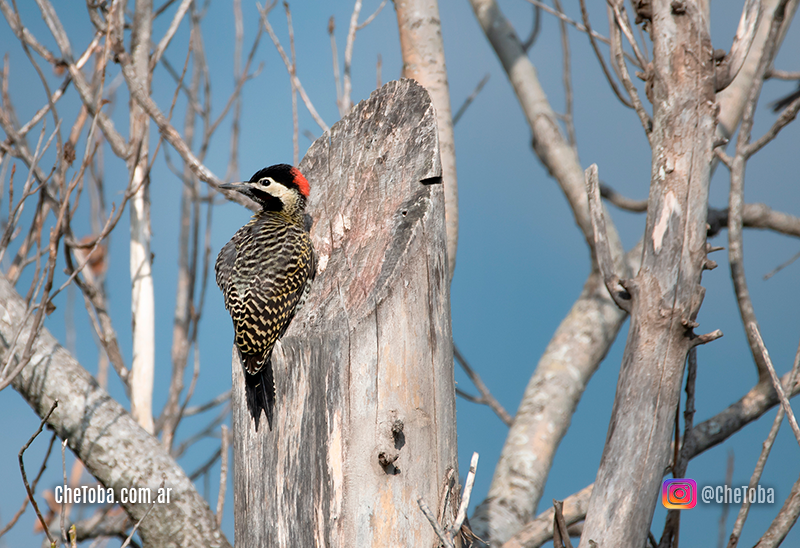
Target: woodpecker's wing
[[262, 285]]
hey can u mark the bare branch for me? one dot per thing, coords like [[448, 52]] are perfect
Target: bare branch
[[167, 38], [28, 488], [727, 70], [622, 202], [465, 495], [372, 17], [535, 28], [788, 114], [633, 93], [782, 74], [567, 79], [435, 524], [601, 250], [578, 26], [787, 408], [347, 103], [295, 80], [468, 101], [560, 533], [755, 216], [600, 58], [540, 529], [295, 124], [765, 450], [419, 25], [723, 518], [784, 521], [486, 396]]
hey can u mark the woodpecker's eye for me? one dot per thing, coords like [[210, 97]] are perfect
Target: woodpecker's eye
[[265, 181]]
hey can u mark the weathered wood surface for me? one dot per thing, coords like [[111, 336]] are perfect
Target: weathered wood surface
[[112, 446], [666, 293], [365, 402]]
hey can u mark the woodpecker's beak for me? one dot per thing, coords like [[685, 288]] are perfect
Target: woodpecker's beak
[[242, 188], [232, 186]]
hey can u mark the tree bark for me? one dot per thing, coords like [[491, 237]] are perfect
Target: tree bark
[[112, 446], [666, 293], [365, 401]]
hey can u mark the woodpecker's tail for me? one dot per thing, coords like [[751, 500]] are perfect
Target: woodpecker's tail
[[260, 393]]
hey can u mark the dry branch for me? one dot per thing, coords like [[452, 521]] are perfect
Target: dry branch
[[729, 67]]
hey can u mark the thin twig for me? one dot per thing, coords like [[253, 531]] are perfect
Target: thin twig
[[348, 57], [580, 27], [633, 93], [486, 396], [336, 78], [372, 17], [295, 124], [762, 458], [468, 101], [35, 482], [625, 26], [167, 38], [567, 78], [622, 202], [787, 115], [435, 524], [197, 409], [64, 474], [286, 61], [138, 523], [600, 58], [536, 27], [723, 518], [560, 533], [465, 495], [780, 267], [787, 408], [25, 477]]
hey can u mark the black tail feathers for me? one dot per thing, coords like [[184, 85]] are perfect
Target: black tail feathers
[[260, 393]]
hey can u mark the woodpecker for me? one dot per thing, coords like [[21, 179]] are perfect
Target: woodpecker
[[265, 274]]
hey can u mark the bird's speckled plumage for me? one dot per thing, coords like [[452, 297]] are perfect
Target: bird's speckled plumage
[[264, 273]]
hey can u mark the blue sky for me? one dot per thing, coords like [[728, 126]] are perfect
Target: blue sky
[[521, 260]]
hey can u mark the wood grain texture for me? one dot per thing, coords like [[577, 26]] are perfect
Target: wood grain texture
[[112, 446], [365, 400]]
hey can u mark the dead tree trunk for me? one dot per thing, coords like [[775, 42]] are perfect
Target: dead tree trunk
[[365, 404], [666, 293]]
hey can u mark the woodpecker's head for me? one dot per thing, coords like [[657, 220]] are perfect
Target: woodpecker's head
[[276, 188]]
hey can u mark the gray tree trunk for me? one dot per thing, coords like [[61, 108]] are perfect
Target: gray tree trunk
[[666, 293], [365, 403]]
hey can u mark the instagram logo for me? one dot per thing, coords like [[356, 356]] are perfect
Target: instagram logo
[[679, 494]]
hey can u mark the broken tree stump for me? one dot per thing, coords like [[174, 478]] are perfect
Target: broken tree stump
[[365, 401]]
